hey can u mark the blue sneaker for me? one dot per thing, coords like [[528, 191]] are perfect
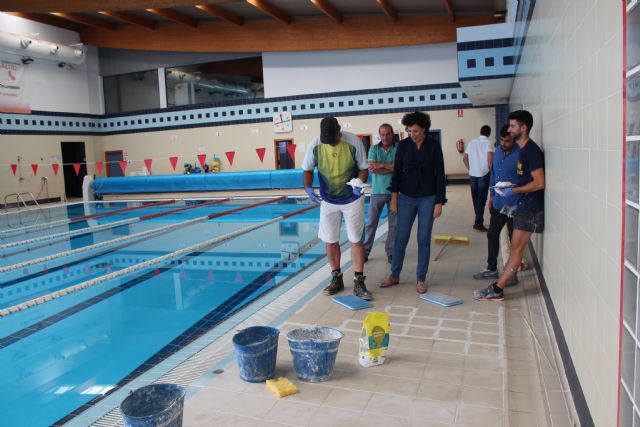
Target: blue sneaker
[[486, 274]]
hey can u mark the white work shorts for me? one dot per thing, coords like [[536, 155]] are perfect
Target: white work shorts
[[331, 219]]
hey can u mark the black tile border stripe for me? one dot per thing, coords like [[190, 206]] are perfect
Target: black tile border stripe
[[202, 326], [580, 402], [487, 44]]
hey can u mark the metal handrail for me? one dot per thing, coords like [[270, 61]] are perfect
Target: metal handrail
[[19, 199]]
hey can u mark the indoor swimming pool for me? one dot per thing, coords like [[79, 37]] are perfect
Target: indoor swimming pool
[[146, 280]]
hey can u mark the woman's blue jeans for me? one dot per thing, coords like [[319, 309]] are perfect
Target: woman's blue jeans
[[408, 209]]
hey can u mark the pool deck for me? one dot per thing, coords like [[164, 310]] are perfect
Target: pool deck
[[476, 364]]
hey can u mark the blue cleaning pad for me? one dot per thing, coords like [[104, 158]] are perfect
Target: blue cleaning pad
[[352, 302], [441, 299]]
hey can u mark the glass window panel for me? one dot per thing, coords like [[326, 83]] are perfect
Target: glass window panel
[[629, 298], [215, 82], [130, 92], [628, 358], [626, 409], [633, 38], [633, 104], [631, 235], [632, 168]]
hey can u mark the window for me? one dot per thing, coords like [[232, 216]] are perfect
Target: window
[[488, 62], [130, 92], [471, 63]]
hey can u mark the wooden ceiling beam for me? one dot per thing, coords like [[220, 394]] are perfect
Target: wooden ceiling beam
[[219, 12], [129, 17], [45, 6], [269, 35], [85, 19], [388, 9], [174, 15], [328, 10], [449, 5], [271, 10], [47, 19]]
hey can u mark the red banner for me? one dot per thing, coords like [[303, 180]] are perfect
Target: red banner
[[202, 158], [230, 156], [56, 167], [34, 168], [147, 163], [99, 166], [14, 168], [291, 149], [174, 162], [261, 152], [76, 167], [123, 166]]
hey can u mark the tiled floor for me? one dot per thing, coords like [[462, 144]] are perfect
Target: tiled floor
[[476, 364]]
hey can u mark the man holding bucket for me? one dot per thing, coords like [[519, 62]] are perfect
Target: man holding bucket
[[339, 157]]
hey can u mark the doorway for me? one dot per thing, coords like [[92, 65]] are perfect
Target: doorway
[[112, 159], [366, 141], [283, 160], [73, 152]]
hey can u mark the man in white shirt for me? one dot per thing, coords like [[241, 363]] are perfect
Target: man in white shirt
[[477, 158]]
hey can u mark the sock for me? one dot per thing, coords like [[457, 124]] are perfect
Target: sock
[[497, 289], [336, 271], [357, 273]]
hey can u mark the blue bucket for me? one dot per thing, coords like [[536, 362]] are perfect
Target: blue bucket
[[314, 352], [256, 350], [154, 405]]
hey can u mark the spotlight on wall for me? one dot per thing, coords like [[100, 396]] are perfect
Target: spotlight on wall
[[26, 60], [53, 50], [24, 43]]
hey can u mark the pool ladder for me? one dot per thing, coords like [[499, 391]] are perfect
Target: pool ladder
[[20, 199]]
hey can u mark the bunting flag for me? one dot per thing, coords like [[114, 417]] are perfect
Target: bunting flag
[[14, 168], [34, 168], [291, 149], [261, 152], [230, 156], [99, 166], [45, 269], [76, 167], [210, 276], [123, 166], [156, 272], [174, 161], [147, 163], [56, 167], [202, 158]]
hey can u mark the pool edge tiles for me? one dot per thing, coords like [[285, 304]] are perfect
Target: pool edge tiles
[[299, 288]]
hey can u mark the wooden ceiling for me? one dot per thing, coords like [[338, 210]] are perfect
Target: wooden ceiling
[[259, 25]]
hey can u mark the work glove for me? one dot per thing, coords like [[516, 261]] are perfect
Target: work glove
[[312, 195], [357, 191]]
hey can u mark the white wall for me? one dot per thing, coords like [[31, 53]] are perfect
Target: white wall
[[49, 87], [570, 78], [295, 73]]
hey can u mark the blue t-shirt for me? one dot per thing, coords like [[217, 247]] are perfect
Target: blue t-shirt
[[530, 159], [504, 169]]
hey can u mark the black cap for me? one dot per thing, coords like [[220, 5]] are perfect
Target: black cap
[[329, 130]]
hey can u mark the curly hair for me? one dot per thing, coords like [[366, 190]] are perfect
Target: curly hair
[[417, 118]]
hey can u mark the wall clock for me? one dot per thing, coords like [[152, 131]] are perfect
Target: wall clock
[[282, 122]]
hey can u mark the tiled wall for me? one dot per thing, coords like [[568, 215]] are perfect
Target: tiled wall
[[486, 59], [570, 78]]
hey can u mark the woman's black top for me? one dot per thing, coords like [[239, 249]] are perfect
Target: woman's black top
[[419, 173]]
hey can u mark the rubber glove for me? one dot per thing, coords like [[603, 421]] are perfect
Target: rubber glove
[[358, 191], [312, 195], [510, 198]]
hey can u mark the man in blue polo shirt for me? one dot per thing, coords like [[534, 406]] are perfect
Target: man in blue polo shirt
[[381, 158], [503, 169]]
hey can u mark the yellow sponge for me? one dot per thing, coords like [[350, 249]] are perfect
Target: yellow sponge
[[451, 239], [282, 387]]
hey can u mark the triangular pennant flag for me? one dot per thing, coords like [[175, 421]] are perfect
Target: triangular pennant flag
[[174, 161], [147, 163], [230, 156], [55, 167], [202, 158], [14, 168], [239, 279], [45, 270], [210, 276], [123, 166], [99, 166], [76, 167], [291, 149], [156, 272], [261, 152], [34, 168]]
